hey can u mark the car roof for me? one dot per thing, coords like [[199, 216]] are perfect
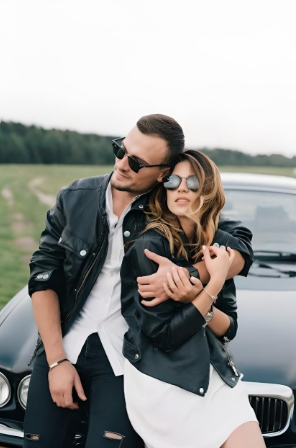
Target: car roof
[[263, 182]]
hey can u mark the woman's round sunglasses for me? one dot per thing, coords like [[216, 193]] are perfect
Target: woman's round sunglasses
[[173, 181], [120, 152]]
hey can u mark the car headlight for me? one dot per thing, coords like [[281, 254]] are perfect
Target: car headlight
[[22, 391], [5, 390]]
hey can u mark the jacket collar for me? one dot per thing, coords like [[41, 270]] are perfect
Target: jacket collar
[[139, 202]]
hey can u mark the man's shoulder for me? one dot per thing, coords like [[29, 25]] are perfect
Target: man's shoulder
[[88, 183]]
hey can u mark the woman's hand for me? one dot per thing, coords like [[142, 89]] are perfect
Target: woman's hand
[[218, 267], [179, 288]]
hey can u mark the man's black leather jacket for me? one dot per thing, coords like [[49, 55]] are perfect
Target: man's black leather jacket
[[170, 341], [74, 244]]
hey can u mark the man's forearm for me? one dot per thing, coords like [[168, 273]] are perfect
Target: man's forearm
[[48, 318], [235, 268]]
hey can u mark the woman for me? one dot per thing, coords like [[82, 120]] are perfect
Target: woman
[[182, 388]]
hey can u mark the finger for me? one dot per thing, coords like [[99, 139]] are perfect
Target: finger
[[55, 399], [154, 257], [232, 253], [168, 292], [68, 399], [206, 253], [145, 288], [151, 303], [217, 250], [79, 388], [184, 278], [147, 295], [171, 282], [177, 278], [146, 280], [196, 282]]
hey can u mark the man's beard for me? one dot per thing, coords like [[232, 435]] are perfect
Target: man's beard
[[131, 188]]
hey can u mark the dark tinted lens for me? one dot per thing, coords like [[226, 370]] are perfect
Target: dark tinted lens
[[193, 183], [134, 165], [118, 152], [171, 182]]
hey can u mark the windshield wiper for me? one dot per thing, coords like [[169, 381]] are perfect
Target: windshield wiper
[[267, 266], [277, 254]]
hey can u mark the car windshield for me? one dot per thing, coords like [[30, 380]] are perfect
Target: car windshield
[[270, 216]]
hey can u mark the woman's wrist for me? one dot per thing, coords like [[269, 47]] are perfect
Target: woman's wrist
[[214, 287], [216, 284]]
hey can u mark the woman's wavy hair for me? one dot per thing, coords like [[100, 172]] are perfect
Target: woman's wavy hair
[[206, 217]]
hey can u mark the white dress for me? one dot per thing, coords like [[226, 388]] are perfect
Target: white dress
[[166, 416]]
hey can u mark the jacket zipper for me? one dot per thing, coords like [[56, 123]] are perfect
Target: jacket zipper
[[83, 278], [230, 362]]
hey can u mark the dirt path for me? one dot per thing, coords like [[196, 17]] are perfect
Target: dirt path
[[8, 196], [46, 199]]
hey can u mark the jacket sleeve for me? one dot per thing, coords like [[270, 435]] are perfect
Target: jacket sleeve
[[226, 302], [46, 266], [168, 324], [233, 234]]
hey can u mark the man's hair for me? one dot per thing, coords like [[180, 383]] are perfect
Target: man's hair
[[167, 128]]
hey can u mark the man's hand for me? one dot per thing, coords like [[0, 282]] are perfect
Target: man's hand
[[62, 379], [152, 285], [179, 288]]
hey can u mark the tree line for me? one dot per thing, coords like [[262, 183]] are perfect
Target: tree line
[[33, 144]]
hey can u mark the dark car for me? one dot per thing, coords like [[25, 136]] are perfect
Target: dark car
[[264, 348]]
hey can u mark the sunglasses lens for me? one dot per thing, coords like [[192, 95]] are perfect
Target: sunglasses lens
[[171, 182], [193, 183], [118, 152], [134, 165]]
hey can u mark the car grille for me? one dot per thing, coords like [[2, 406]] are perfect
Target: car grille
[[272, 413]]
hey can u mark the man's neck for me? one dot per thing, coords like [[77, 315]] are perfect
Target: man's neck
[[121, 199]]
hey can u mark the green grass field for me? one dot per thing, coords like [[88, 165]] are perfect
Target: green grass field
[[22, 213]]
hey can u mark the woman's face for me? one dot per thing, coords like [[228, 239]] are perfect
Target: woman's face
[[182, 200]]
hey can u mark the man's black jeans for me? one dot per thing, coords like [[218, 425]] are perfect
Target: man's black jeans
[[49, 426]]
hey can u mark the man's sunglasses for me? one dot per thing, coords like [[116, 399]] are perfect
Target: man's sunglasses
[[173, 181], [120, 152]]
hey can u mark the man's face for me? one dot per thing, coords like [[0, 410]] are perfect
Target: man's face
[[148, 150]]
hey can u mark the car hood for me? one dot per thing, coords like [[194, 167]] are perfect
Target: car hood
[[18, 334], [265, 346]]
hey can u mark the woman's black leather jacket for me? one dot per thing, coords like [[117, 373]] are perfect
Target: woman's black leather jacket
[[170, 341]]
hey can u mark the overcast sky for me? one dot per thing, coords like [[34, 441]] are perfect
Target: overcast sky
[[225, 69]]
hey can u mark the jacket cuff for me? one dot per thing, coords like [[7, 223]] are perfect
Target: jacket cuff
[[231, 332], [44, 280], [190, 268], [186, 322], [226, 239]]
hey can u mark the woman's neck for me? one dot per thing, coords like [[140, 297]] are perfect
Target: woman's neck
[[187, 225]]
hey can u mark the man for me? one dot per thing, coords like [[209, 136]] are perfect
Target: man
[[75, 289]]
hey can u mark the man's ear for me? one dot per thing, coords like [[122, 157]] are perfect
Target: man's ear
[[164, 173]]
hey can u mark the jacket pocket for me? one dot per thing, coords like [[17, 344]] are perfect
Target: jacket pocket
[[76, 252], [130, 351], [74, 244]]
